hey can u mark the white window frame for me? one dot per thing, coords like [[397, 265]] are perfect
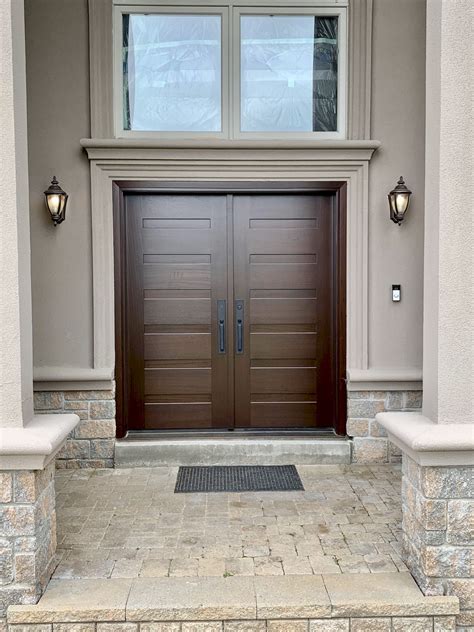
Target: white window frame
[[230, 13], [340, 13], [223, 11]]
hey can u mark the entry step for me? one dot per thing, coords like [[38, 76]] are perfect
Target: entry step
[[238, 602], [232, 451]]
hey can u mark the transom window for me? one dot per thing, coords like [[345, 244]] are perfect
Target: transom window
[[230, 72]]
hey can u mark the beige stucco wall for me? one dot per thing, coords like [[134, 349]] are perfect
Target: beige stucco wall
[[62, 292], [398, 120], [58, 116]]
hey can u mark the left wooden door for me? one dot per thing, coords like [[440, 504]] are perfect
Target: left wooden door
[[176, 312]]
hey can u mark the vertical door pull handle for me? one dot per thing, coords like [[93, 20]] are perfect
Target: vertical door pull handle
[[221, 320], [239, 324]]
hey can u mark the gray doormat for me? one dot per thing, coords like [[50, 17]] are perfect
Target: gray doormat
[[238, 478]]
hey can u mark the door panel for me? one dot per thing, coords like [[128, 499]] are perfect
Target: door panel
[[282, 272], [266, 311], [176, 271], [283, 275], [168, 240], [177, 311], [277, 414], [266, 346], [165, 346], [164, 276], [179, 416], [177, 381], [268, 240], [282, 380]]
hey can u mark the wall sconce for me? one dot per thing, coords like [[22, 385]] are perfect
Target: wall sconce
[[399, 201], [56, 200]]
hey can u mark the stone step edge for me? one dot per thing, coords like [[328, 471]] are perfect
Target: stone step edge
[[233, 451], [443, 623], [244, 599]]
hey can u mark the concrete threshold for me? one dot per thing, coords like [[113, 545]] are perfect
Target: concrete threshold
[[219, 601], [240, 450]]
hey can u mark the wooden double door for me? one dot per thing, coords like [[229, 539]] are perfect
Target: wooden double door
[[230, 313]]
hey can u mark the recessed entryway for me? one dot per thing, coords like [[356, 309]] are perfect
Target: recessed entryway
[[230, 307]]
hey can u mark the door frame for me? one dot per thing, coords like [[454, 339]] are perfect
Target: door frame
[[121, 188]]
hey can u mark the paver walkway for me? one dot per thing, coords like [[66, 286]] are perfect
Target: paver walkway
[[129, 523]]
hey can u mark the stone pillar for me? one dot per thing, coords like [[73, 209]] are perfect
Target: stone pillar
[[28, 444], [27, 534], [438, 445], [438, 531]]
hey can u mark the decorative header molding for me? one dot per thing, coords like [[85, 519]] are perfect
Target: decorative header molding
[[113, 160], [152, 149]]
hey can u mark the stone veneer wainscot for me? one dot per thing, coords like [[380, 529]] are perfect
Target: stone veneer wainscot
[[370, 443], [92, 443]]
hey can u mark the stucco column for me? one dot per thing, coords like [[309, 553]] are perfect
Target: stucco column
[[438, 445], [16, 381], [28, 444], [448, 340]]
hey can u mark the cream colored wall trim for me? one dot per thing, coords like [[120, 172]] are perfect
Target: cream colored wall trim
[[384, 380], [359, 59], [106, 148], [430, 443], [72, 379], [75, 385], [360, 68], [35, 445], [67, 374], [113, 161], [389, 385], [101, 68]]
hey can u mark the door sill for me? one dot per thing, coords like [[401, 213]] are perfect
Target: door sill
[[141, 449], [241, 433]]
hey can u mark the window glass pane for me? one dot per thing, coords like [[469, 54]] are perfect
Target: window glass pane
[[172, 72], [288, 73]]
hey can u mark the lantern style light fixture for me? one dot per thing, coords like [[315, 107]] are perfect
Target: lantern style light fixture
[[399, 201], [56, 200]]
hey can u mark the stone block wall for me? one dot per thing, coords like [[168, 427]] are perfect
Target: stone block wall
[[92, 443], [438, 526], [370, 443], [27, 535]]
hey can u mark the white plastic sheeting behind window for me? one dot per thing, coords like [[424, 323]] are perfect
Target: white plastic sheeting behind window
[[288, 73], [172, 72]]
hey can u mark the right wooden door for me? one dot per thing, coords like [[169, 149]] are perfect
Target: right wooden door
[[284, 311]]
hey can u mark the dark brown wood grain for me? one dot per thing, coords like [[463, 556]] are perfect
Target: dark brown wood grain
[[180, 247], [283, 272]]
